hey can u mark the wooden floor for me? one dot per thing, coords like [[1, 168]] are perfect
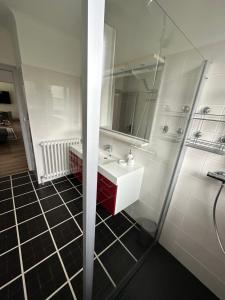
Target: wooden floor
[[12, 154]]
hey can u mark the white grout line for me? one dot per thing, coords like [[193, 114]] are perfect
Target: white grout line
[[128, 218], [4, 180], [6, 198], [51, 209], [107, 273], [68, 209], [72, 182], [41, 232], [77, 273], [23, 243], [3, 230], [37, 201], [24, 193], [6, 212], [114, 233], [74, 186], [74, 199], [70, 242], [41, 261], [30, 218], [34, 237], [56, 291], [9, 282], [26, 205], [19, 246], [9, 250], [58, 224], [133, 225], [1, 190], [21, 184], [57, 251], [102, 218], [120, 241], [71, 188], [32, 203], [114, 241]]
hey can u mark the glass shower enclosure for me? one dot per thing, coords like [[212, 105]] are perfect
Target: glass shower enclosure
[[151, 81]]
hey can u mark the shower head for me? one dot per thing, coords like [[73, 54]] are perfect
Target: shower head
[[219, 175]]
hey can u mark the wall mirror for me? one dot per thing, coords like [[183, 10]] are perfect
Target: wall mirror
[[129, 92]]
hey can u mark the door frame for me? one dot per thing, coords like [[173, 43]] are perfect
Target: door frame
[[23, 113]]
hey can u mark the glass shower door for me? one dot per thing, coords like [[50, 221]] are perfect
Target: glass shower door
[[151, 78]]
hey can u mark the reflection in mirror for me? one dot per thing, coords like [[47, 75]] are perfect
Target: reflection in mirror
[[129, 92], [134, 100]]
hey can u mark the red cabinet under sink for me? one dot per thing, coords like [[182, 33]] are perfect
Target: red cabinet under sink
[[106, 190]]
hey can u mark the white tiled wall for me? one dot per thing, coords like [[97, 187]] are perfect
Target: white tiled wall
[[177, 90], [54, 107], [188, 232]]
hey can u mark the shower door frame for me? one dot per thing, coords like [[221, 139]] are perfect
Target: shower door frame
[[180, 157], [93, 15]]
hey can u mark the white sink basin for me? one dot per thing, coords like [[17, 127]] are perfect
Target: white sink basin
[[104, 157]]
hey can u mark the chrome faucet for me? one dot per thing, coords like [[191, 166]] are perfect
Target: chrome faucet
[[108, 148]]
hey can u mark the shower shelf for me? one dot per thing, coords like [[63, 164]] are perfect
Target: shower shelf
[[175, 114], [207, 117], [214, 147]]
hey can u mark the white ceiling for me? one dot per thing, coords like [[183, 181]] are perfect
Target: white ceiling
[[62, 14], [203, 21]]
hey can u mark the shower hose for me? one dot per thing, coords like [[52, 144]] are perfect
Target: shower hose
[[214, 218]]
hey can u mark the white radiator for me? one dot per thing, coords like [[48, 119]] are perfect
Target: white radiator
[[56, 157]]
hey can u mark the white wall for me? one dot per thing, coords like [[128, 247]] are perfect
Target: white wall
[[54, 107], [188, 232], [50, 64], [7, 54], [46, 47]]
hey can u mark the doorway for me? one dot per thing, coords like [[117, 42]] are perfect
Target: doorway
[[13, 157]]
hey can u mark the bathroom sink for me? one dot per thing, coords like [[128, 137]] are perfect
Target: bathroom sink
[[105, 158]]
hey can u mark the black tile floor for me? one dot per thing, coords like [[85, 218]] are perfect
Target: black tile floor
[[41, 241]]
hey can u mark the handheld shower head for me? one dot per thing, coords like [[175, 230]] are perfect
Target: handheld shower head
[[219, 175]]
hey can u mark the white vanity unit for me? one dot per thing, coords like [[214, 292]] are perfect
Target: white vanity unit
[[118, 186]]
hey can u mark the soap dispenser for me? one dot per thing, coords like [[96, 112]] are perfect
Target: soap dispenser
[[130, 159]]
